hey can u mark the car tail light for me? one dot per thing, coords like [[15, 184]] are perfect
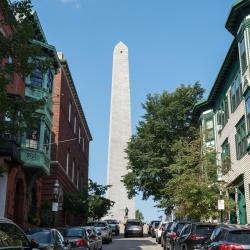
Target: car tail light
[[229, 247], [173, 236], [80, 243], [196, 237]]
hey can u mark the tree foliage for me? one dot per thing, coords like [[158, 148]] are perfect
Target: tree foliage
[[18, 54], [166, 159], [167, 118], [139, 215], [92, 205]]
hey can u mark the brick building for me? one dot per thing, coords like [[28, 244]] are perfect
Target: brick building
[[225, 115], [70, 143], [26, 157]]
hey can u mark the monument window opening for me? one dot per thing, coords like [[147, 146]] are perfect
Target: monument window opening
[[121, 51]]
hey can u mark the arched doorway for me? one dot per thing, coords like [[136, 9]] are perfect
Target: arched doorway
[[19, 203]]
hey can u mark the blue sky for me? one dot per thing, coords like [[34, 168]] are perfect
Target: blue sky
[[170, 43]]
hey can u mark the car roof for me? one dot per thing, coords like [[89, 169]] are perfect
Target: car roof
[[233, 227]]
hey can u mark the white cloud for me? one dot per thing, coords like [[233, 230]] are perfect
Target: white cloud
[[75, 3]]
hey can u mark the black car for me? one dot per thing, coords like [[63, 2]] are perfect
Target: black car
[[13, 237], [48, 239], [133, 228], [173, 233], [193, 236], [114, 225], [229, 237]]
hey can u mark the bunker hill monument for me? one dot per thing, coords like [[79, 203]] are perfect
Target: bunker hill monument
[[119, 135]]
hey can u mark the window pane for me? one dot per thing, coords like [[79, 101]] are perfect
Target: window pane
[[36, 78]]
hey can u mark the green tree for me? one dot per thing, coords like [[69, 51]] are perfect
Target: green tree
[[98, 205], [92, 205], [18, 54], [167, 118], [139, 215]]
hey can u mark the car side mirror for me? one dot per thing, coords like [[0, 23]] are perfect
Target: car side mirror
[[33, 244], [66, 243]]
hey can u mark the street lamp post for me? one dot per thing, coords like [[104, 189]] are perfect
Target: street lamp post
[[221, 201], [55, 203]]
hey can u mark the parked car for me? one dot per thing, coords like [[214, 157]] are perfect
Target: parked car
[[78, 238], [133, 228], [95, 236], [13, 237], [114, 226], [159, 231], [175, 230], [154, 227], [193, 236], [150, 225], [229, 237], [165, 231], [48, 239], [104, 228]]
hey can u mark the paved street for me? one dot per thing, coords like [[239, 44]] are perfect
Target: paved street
[[121, 243]]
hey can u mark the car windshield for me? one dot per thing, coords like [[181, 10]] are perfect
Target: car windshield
[[179, 227], [41, 237], [12, 236], [73, 232], [168, 226], [97, 224], [240, 237], [111, 221], [133, 223], [205, 229]]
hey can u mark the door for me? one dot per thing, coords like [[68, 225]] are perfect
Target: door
[[242, 204]]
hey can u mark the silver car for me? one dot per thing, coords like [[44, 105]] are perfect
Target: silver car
[[104, 228]]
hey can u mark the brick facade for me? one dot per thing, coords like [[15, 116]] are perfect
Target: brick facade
[[70, 148]]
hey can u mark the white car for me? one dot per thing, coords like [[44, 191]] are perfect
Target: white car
[[158, 231]]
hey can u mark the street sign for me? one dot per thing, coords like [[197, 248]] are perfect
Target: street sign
[[221, 205], [55, 206]]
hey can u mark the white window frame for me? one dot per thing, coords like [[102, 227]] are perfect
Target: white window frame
[[77, 177], [75, 125], [79, 135], [67, 163], [70, 111], [73, 171]]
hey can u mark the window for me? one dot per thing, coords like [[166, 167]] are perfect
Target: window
[[12, 237], [77, 177], [223, 113], [32, 138], [70, 111], [50, 81], [75, 125], [67, 163], [240, 139], [83, 141], [46, 139], [243, 55], [36, 78], [79, 135], [209, 130], [225, 153], [236, 93], [73, 171], [248, 113]]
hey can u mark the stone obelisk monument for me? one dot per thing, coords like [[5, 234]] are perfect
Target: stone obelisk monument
[[119, 135]]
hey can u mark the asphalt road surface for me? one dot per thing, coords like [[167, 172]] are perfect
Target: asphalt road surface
[[121, 243]]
